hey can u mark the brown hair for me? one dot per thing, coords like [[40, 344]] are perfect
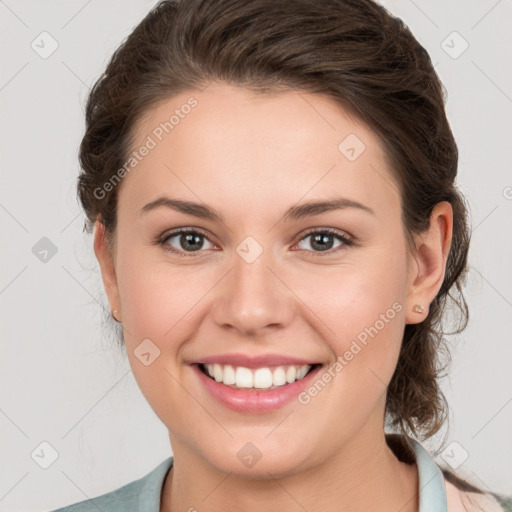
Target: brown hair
[[353, 51]]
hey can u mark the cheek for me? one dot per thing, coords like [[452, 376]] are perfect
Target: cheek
[[157, 298], [355, 296], [158, 305], [359, 308]]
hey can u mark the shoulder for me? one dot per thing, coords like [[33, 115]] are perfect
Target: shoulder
[[141, 494], [123, 498], [467, 501]]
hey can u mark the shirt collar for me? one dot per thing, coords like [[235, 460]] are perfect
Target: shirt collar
[[432, 491]]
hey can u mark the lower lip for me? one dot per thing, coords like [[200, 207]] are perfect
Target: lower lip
[[242, 400]]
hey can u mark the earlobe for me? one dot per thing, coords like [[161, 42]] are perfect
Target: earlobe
[[106, 262], [426, 275]]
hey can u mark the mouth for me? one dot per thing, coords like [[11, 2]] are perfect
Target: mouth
[[256, 379]]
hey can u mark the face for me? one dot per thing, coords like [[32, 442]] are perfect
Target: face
[[258, 287]]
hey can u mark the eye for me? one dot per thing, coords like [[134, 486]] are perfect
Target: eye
[[188, 241], [322, 240]]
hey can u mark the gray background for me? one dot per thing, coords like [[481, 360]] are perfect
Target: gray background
[[63, 383]]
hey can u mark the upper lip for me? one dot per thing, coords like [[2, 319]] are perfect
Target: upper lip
[[259, 361]]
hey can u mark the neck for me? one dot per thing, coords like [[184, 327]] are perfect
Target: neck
[[357, 478]]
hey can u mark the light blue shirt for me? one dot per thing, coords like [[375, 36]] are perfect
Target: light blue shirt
[[143, 495]]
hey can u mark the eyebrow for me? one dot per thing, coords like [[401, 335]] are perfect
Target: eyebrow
[[308, 209]]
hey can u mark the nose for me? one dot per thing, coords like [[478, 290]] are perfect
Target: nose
[[253, 298]]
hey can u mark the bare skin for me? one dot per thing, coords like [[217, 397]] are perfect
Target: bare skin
[[251, 157]]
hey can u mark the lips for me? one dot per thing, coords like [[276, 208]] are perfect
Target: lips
[[254, 400], [256, 361]]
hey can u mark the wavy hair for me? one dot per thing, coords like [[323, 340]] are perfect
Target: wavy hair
[[353, 51]]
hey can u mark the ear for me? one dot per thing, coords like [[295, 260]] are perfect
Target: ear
[[108, 272], [428, 262]]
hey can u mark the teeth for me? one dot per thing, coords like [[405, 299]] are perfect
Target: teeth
[[244, 378], [217, 372], [279, 376], [229, 376], [261, 378], [301, 373]]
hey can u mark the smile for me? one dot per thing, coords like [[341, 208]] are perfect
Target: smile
[[239, 377], [253, 390]]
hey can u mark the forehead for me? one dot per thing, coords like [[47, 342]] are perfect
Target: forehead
[[239, 150]]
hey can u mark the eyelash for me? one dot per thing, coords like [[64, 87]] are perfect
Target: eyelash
[[347, 242]]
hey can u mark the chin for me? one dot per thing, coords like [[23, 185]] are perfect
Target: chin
[[255, 461]]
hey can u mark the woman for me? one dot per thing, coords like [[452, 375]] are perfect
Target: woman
[[272, 190]]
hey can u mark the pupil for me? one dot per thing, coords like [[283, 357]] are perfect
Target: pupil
[[189, 239], [322, 240]]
